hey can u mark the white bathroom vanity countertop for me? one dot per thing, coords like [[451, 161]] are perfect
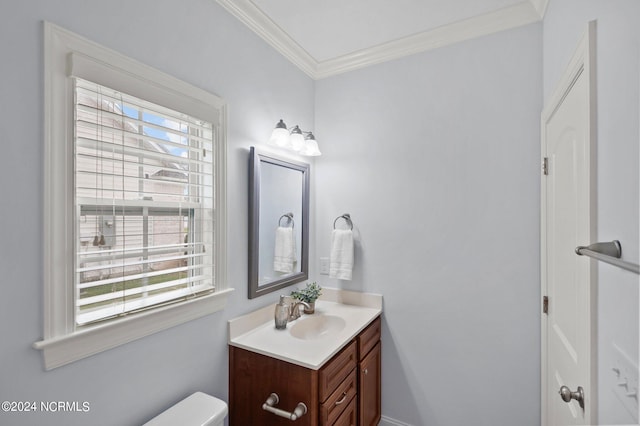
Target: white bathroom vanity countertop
[[256, 331]]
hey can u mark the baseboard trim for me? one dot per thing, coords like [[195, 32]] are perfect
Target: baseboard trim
[[388, 421]]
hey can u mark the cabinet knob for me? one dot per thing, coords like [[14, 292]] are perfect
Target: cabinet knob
[[365, 371]]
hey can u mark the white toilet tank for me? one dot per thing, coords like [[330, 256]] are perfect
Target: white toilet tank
[[198, 409]]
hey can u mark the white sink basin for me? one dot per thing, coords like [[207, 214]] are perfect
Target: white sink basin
[[309, 341], [317, 326]]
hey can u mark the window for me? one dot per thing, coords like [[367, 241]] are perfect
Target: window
[[135, 220], [143, 202]]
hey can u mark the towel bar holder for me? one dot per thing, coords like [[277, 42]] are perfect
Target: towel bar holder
[[609, 252], [269, 405], [346, 217], [288, 216]]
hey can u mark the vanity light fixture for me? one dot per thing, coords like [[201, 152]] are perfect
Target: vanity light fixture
[[297, 140]]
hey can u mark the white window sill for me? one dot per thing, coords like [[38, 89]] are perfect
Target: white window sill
[[62, 350]]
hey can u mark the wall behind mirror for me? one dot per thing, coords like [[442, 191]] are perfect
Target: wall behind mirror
[[278, 222]]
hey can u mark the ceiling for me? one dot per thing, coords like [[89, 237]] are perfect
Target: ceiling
[[328, 37]]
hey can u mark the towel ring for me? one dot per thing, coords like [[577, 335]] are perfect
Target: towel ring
[[288, 216], [347, 218]]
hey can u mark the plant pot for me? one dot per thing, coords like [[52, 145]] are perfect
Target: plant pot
[[312, 308]]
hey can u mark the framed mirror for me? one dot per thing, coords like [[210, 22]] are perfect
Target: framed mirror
[[278, 222]]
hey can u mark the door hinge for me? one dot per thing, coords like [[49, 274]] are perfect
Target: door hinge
[[545, 305], [545, 166]]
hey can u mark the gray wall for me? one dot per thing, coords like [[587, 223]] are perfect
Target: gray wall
[[204, 46], [436, 157], [618, 178]]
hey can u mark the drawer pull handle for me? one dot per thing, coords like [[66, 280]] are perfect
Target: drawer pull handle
[[344, 396], [273, 399]]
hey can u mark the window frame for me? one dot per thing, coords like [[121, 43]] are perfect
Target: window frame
[[67, 55]]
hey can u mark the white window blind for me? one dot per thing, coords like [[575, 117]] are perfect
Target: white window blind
[[144, 200]]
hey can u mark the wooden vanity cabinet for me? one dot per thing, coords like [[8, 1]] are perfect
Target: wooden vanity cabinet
[[369, 388], [345, 391], [369, 375], [253, 377]]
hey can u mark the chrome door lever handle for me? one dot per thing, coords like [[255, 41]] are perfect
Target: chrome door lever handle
[[567, 395]]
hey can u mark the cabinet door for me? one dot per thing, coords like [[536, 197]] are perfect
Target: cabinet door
[[370, 385]]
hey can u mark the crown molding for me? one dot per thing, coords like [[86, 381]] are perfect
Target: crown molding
[[503, 19], [526, 12], [540, 7], [250, 15]]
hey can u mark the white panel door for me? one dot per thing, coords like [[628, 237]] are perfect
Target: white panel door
[[567, 223]]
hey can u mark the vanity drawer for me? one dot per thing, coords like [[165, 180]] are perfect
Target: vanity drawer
[[336, 370], [333, 407], [368, 339], [349, 415]]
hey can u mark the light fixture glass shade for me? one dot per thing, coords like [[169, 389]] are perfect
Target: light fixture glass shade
[[301, 142], [280, 135], [311, 146], [297, 140]]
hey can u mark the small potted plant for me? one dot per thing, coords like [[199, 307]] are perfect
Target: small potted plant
[[309, 294]]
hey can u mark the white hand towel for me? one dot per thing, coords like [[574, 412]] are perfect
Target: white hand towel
[[341, 256], [284, 257]]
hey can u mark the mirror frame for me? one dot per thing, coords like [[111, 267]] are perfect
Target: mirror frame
[[256, 159]]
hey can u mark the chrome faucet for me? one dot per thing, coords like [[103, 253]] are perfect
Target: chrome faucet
[[294, 309]]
